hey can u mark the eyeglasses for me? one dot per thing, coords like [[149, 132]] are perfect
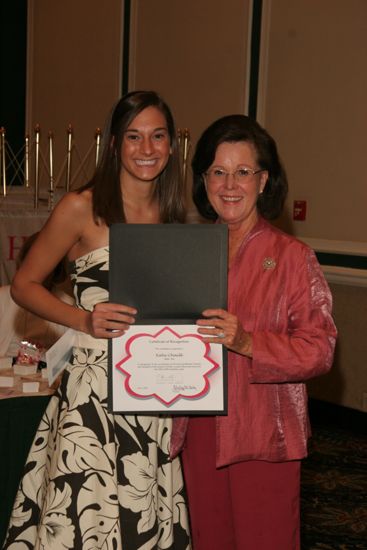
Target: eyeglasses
[[217, 175]]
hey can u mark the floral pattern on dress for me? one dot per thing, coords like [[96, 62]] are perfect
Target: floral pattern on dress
[[96, 480]]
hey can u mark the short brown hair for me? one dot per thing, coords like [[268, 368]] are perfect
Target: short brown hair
[[232, 129]]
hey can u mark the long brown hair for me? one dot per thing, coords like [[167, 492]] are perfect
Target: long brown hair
[[105, 183]]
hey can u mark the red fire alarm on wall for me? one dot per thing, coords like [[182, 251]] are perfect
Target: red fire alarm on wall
[[299, 210]]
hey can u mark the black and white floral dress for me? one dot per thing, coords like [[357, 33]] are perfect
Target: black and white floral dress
[[94, 480]]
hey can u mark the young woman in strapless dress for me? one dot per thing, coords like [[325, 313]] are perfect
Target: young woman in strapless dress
[[95, 479]]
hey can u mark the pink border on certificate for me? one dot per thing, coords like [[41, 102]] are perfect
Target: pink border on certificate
[[214, 366]]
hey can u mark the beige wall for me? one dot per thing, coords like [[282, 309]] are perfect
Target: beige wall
[[195, 54], [313, 102], [74, 69], [316, 108]]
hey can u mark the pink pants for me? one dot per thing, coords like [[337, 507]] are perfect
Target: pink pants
[[251, 505]]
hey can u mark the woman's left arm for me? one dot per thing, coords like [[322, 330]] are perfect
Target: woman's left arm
[[305, 350]]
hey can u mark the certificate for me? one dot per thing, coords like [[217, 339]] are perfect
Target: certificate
[[162, 368], [170, 273]]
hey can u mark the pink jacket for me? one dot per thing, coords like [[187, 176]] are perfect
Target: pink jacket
[[277, 290]]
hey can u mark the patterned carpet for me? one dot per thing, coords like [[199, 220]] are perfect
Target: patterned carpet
[[334, 480]]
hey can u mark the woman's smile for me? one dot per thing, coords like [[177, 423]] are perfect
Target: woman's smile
[[145, 147]]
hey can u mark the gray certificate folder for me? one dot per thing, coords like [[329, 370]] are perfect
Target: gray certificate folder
[[168, 272]]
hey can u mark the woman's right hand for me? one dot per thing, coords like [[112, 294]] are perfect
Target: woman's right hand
[[108, 320]]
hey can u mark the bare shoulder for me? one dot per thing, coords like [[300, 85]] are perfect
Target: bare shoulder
[[73, 227], [75, 203], [74, 208]]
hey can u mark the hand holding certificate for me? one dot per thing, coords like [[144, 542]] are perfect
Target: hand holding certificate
[[170, 275]]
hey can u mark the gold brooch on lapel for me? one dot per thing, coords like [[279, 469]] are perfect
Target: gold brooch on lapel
[[269, 263]]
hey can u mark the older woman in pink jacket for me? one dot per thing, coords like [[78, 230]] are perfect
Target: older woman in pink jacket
[[243, 470]]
